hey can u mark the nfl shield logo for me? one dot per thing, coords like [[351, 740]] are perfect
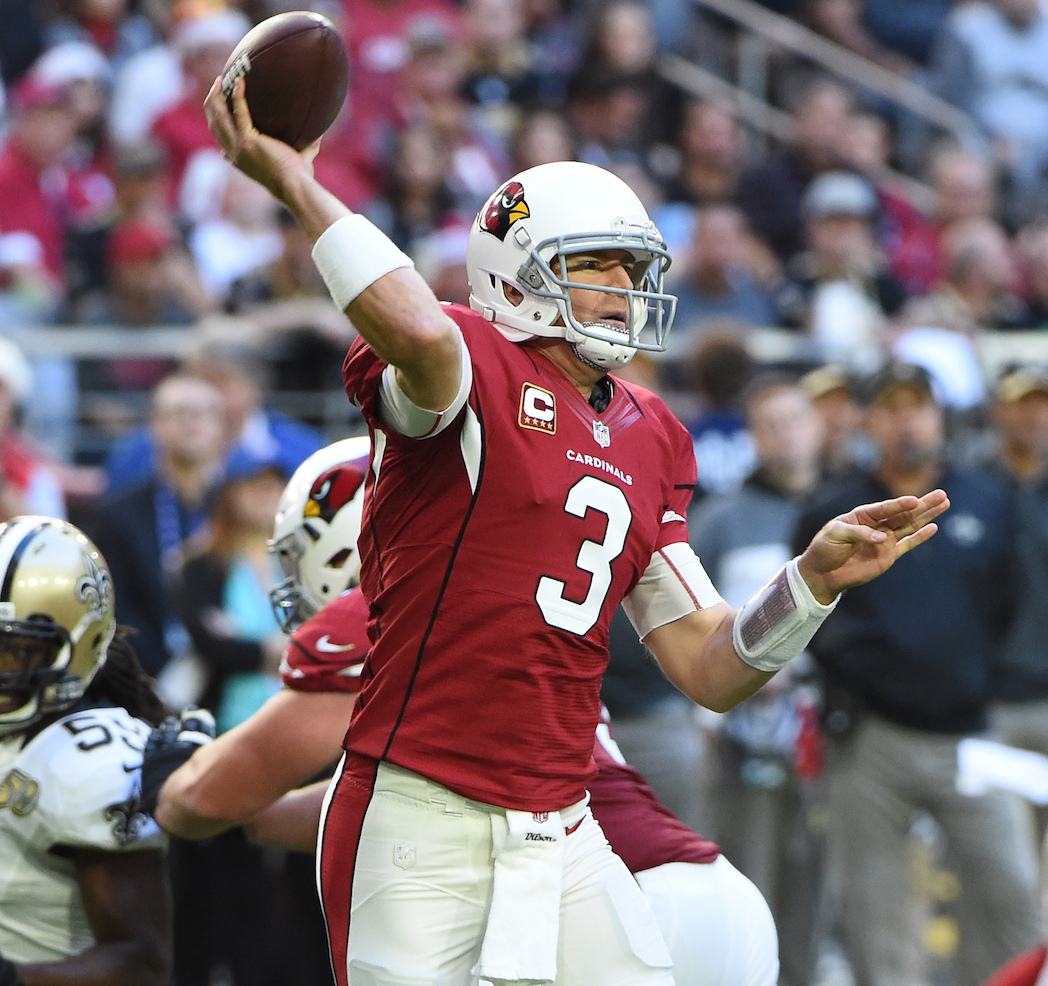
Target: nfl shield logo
[[601, 434], [404, 855]]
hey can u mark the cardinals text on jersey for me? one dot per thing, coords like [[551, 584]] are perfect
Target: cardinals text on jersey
[[74, 784]]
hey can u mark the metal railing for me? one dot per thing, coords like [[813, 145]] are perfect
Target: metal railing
[[772, 29], [765, 118]]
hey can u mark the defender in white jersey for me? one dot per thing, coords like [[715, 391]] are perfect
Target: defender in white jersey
[[83, 893]]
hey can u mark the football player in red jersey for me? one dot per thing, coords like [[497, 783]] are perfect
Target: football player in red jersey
[[716, 925], [516, 495]]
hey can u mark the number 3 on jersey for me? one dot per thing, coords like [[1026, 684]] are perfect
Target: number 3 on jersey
[[595, 558]]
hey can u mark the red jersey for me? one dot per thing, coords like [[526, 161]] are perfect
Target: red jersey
[[643, 832], [494, 555], [327, 652]]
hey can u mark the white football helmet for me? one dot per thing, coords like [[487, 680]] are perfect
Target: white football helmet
[[57, 618], [532, 224], [316, 528]]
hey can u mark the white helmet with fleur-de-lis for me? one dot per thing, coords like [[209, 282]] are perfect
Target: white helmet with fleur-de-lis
[[57, 618]]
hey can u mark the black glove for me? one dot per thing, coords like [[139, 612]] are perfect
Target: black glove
[[169, 746], [8, 973]]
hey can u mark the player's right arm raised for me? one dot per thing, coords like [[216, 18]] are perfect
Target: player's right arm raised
[[376, 285]]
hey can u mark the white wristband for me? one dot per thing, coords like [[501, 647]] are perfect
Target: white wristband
[[779, 620], [353, 253]]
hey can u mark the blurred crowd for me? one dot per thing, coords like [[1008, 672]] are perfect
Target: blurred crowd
[[870, 236]]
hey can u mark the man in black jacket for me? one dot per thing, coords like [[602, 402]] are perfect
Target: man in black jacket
[[908, 663], [142, 532]]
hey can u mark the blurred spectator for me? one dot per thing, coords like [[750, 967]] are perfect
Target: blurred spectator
[[843, 21], [555, 46], [964, 189], [152, 281], [543, 136], [83, 69], [765, 808], [224, 604], [432, 95], [908, 662], [711, 154], [417, 199], [105, 24], [203, 43], [43, 128], [718, 283], [149, 82], [622, 49], [977, 292], [141, 186], [224, 593], [250, 431], [236, 234], [991, 60], [441, 260], [377, 40], [724, 450], [1033, 243], [143, 532], [844, 448], [293, 274], [27, 486], [1020, 414], [839, 289], [21, 38], [609, 112], [499, 78], [770, 192]]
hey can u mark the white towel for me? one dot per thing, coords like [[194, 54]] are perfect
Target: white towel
[[520, 941]]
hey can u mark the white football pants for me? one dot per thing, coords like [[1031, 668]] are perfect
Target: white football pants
[[422, 887], [716, 923]]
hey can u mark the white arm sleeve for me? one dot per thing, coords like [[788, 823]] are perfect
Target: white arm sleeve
[[673, 585], [401, 415]]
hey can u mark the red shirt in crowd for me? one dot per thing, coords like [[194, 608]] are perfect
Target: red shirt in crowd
[[182, 131], [494, 555], [34, 202]]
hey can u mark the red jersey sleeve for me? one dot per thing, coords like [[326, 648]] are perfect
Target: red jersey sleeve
[[327, 652], [362, 374], [682, 474]]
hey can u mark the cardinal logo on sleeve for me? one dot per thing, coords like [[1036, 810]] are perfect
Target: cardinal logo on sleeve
[[504, 208]]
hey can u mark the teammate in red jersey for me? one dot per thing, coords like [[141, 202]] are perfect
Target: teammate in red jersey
[[516, 496]]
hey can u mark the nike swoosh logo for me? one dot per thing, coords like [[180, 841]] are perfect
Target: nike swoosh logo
[[325, 645]]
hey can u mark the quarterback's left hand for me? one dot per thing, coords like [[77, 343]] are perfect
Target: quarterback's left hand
[[8, 973], [858, 546], [169, 746]]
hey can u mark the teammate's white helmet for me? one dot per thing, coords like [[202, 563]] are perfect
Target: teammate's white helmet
[[526, 230], [57, 618], [316, 528]]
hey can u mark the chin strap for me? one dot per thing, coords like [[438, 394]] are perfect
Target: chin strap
[[586, 359]]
